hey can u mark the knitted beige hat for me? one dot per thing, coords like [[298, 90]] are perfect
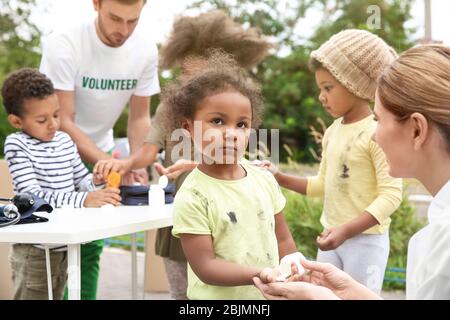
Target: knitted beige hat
[[356, 58]]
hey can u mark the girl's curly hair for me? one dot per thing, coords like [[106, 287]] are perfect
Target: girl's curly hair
[[192, 36], [204, 77]]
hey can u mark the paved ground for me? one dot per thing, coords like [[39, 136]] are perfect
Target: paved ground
[[393, 295], [115, 278]]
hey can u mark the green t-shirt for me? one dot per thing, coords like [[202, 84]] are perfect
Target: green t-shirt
[[239, 216]]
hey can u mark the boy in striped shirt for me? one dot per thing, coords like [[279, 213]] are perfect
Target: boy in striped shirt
[[45, 162]]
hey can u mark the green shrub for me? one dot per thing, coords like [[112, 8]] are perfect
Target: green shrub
[[303, 214]]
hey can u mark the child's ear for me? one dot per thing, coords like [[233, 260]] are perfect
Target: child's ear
[[15, 121]]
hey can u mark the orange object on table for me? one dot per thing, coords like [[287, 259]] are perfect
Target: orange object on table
[[113, 180]]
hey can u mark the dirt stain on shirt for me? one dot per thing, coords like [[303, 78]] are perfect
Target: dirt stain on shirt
[[232, 216], [345, 170]]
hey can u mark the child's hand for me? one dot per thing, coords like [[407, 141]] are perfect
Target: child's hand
[[268, 275], [266, 164], [331, 239], [103, 167], [99, 198], [98, 180], [175, 170]]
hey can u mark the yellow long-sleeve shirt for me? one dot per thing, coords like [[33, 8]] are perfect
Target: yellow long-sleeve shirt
[[353, 177]]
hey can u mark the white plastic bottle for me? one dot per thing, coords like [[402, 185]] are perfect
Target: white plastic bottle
[[156, 196]]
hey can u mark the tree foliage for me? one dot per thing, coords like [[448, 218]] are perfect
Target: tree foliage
[[289, 87], [19, 46]]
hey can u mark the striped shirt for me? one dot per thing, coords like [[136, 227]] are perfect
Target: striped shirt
[[50, 170]]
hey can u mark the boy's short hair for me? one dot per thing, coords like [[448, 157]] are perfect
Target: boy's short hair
[[24, 84]]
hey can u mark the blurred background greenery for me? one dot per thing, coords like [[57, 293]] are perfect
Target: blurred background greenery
[[288, 86]]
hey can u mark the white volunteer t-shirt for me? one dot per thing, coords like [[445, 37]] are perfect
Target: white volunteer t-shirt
[[103, 78]]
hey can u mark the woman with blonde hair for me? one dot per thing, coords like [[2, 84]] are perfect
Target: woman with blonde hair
[[412, 107]]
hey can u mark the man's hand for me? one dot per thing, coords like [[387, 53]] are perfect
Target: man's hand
[[103, 167], [333, 238]]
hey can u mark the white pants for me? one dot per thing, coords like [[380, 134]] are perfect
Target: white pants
[[364, 257]]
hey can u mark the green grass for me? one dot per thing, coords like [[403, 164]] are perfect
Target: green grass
[[124, 242]]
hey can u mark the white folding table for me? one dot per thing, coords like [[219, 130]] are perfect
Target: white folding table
[[73, 227]]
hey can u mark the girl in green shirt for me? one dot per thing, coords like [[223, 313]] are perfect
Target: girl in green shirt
[[227, 213]]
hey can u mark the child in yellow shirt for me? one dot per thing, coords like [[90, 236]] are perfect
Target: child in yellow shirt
[[359, 195]]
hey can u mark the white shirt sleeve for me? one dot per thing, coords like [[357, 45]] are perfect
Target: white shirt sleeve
[[148, 83], [432, 273], [59, 63]]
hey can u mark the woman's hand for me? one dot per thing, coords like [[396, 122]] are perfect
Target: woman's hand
[[293, 291], [175, 170], [329, 276]]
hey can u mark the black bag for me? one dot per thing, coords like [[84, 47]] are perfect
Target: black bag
[[26, 210], [138, 195]]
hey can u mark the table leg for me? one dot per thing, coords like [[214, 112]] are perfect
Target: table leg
[[133, 267], [145, 259], [73, 272], [49, 273]]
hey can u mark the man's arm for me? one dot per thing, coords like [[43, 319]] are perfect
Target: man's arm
[[86, 147], [137, 129], [138, 122]]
